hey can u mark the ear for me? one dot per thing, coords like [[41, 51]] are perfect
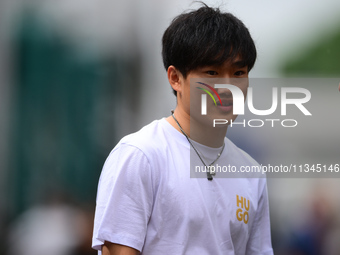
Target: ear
[[175, 78]]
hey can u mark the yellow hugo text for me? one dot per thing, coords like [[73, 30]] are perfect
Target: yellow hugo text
[[243, 208]]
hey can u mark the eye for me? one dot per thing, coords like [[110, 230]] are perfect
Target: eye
[[211, 72], [240, 73]]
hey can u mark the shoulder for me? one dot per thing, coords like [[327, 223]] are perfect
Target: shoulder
[[147, 138], [138, 150]]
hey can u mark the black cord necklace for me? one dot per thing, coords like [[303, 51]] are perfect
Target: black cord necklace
[[210, 172]]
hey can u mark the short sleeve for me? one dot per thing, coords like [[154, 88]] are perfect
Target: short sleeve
[[259, 242], [124, 199]]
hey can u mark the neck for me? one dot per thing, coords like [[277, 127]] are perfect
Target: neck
[[200, 132]]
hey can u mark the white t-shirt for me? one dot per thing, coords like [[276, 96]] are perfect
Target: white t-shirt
[[147, 200]]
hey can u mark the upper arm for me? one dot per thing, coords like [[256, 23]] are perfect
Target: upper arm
[[124, 199], [117, 249]]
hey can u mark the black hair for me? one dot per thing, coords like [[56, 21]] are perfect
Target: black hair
[[206, 37]]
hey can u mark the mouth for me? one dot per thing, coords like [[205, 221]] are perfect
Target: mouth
[[225, 102], [226, 105]]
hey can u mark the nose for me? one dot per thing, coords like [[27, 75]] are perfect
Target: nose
[[223, 79], [224, 92], [240, 83]]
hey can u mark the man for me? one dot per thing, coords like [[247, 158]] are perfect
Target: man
[[147, 202]]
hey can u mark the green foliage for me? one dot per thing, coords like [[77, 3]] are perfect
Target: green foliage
[[322, 59]]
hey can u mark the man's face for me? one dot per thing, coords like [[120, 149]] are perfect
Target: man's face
[[233, 73]]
